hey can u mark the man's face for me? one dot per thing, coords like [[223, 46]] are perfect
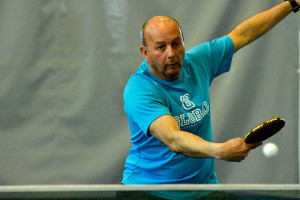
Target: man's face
[[165, 51]]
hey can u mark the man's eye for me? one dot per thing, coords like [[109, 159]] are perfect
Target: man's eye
[[176, 43], [160, 47]]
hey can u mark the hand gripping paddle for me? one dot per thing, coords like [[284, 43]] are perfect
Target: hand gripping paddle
[[265, 130]]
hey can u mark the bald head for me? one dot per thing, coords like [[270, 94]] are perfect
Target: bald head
[[163, 47], [157, 22]]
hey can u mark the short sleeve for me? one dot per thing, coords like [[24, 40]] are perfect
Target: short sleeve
[[214, 58], [143, 103]]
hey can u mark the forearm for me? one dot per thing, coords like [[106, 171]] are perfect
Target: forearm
[[193, 146], [166, 129], [258, 25]]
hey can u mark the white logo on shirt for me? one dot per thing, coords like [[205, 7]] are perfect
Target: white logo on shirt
[[187, 104], [189, 119]]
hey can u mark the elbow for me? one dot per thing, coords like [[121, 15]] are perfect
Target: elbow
[[240, 39], [175, 148]]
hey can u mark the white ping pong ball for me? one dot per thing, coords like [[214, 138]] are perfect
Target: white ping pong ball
[[270, 149]]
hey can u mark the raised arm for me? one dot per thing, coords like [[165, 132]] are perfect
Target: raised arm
[[259, 24], [166, 129]]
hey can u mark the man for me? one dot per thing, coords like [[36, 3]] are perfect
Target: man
[[168, 107]]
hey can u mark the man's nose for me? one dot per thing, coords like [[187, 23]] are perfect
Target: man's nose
[[170, 52]]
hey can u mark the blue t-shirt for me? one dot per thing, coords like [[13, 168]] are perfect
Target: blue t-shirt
[[147, 97]]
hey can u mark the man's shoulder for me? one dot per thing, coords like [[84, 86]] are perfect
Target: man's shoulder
[[139, 81], [138, 78], [223, 41]]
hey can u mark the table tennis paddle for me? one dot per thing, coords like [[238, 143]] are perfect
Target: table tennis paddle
[[265, 130]]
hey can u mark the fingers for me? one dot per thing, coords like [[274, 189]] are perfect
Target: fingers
[[236, 150], [239, 158], [246, 151], [250, 147], [254, 145]]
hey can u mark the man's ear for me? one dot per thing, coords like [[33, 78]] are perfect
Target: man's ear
[[144, 51]]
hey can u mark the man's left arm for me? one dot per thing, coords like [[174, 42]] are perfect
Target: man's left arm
[[256, 26]]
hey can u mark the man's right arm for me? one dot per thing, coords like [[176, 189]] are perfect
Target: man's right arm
[[256, 26], [166, 129]]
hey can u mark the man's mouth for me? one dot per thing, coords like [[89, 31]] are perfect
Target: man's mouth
[[172, 64]]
